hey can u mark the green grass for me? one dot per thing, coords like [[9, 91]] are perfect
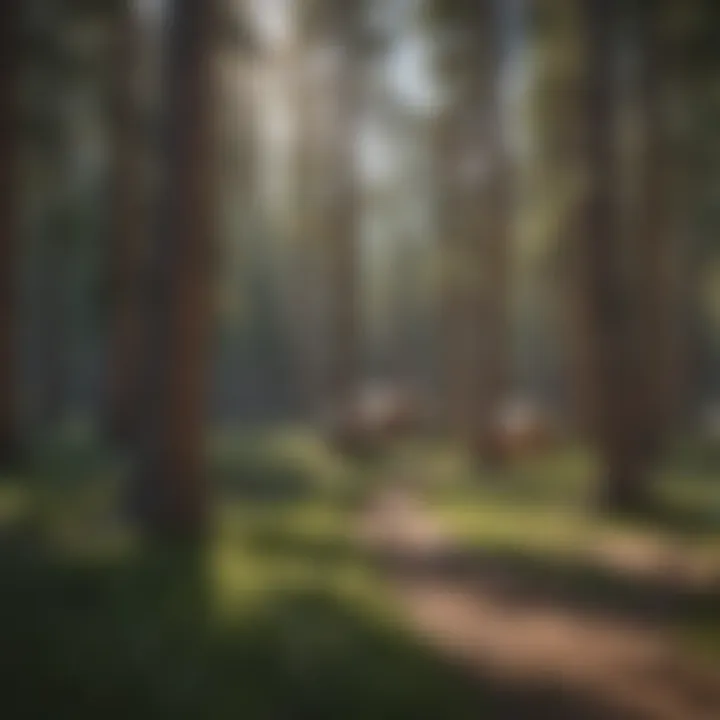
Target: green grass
[[279, 616]]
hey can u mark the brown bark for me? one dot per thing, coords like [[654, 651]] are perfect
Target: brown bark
[[598, 268], [9, 76], [474, 227], [660, 256], [617, 299], [170, 495]]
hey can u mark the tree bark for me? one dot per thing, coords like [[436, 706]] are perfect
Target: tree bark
[[614, 359], [170, 497], [660, 257]]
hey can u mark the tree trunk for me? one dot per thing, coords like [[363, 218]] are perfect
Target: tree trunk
[[474, 229], [308, 305], [452, 330], [170, 497], [9, 181], [660, 257], [625, 487], [342, 211], [495, 357], [616, 396], [128, 230]]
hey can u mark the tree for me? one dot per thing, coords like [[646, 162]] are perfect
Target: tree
[[307, 248], [9, 181], [554, 176], [474, 223], [128, 225], [623, 269], [169, 496], [342, 36], [658, 260], [604, 300]]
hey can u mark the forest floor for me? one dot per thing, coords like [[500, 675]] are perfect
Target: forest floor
[[280, 616], [467, 595], [583, 635]]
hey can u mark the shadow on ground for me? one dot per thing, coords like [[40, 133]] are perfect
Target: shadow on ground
[[517, 577], [139, 636], [151, 633]]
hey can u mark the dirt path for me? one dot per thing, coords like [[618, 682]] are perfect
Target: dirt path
[[511, 633]]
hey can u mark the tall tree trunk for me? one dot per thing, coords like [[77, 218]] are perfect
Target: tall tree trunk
[[494, 359], [170, 497], [660, 260], [616, 398], [128, 229], [448, 158], [474, 228], [342, 197], [307, 241], [560, 152], [9, 99]]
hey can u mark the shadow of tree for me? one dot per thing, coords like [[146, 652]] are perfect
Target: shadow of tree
[[138, 637], [137, 634], [690, 520], [518, 576]]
